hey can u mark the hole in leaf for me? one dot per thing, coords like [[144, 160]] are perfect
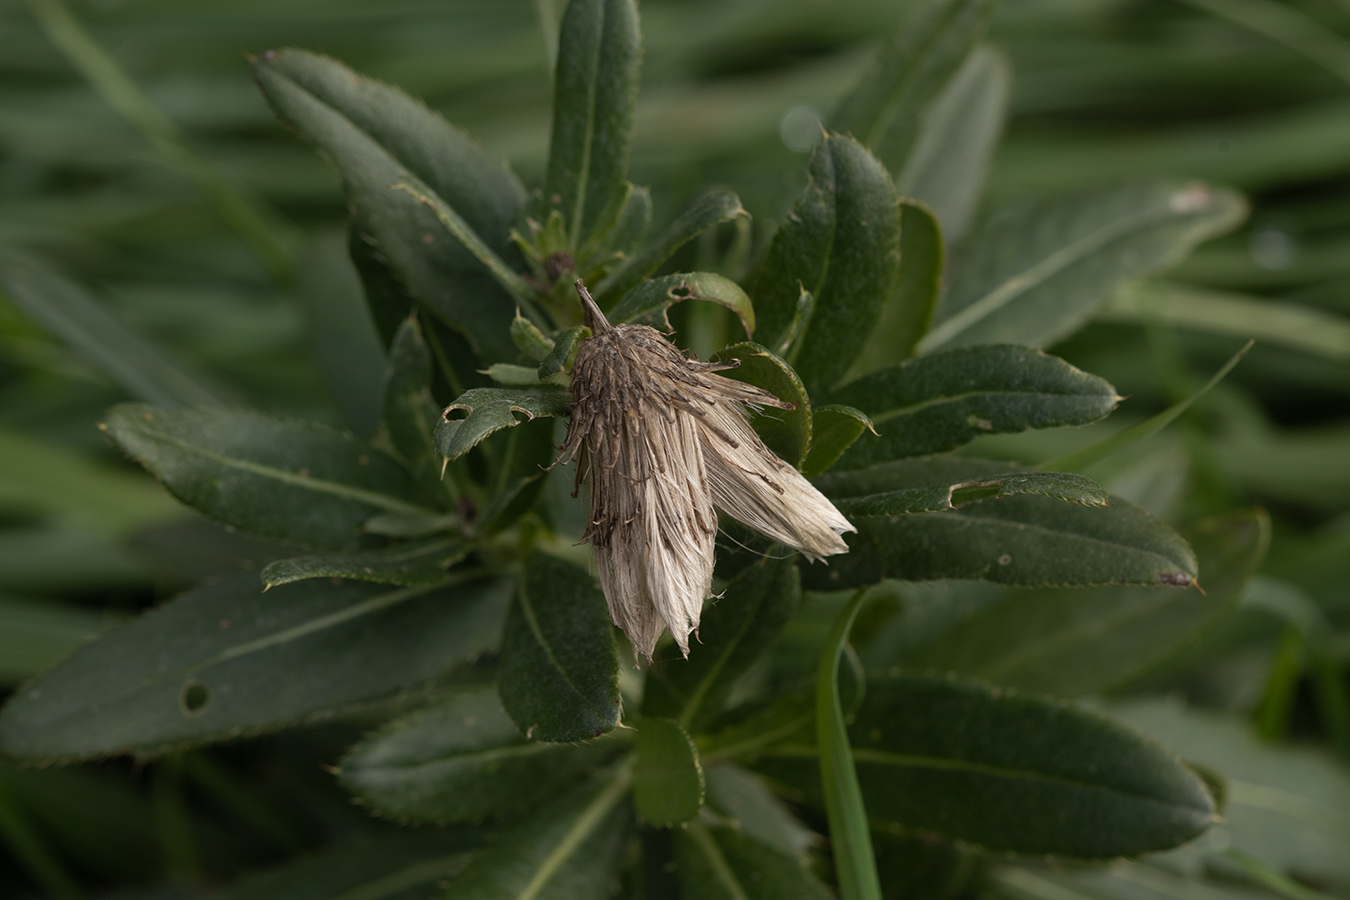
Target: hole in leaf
[[194, 698]]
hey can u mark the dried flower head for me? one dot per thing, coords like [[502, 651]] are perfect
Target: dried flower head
[[664, 443]]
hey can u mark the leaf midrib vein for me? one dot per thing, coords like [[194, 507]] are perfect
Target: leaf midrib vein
[[319, 485]]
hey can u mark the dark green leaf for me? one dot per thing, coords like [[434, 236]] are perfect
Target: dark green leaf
[[392, 867], [887, 108], [377, 137], [68, 312], [509, 280], [914, 295], [667, 776], [711, 209], [559, 671], [564, 349], [950, 161], [386, 297], [1286, 805], [595, 92], [1035, 275], [1021, 539], [1010, 772], [743, 797], [492, 409], [409, 413], [461, 759], [529, 339], [787, 432], [1072, 643], [278, 477], [632, 225], [722, 863], [1123, 440], [840, 243], [423, 562], [520, 460], [567, 850], [649, 302], [36, 633], [940, 402], [735, 631], [347, 343], [834, 428], [205, 666], [907, 501]]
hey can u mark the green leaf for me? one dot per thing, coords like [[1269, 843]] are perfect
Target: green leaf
[[423, 562], [509, 280], [393, 866], [1035, 275], [667, 776], [850, 836], [787, 432], [461, 759], [950, 161], [529, 339], [206, 665], [743, 797], [282, 478], [983, 765], [940, 402], [519, 461], [886, 109], [36, 633], [377, 137], [1095, 453], [1286, 805], [907, 501], [559, 359], [408, 410], [1072, 643], [649, 302], [512, 375], [1306, 329], [711, 209], [569, 849], [633, 223], [595, 92], [735, 632], [834, 429], [1021, 539], [492, 409], [68, 312], [722, 863], [841, 244], [914, 295], [348, 345], [44, 478], [559, 670]]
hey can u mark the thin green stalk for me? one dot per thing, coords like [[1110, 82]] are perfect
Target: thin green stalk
[[264, 232], [854, 862]]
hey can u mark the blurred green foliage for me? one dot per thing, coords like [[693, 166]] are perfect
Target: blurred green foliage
[[163, 239]]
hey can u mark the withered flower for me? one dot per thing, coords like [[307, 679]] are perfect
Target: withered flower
[[664, 442]]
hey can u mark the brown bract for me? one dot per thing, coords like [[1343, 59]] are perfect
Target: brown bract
[[664, 442]]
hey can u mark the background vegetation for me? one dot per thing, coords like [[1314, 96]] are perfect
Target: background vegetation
[[185, 230]]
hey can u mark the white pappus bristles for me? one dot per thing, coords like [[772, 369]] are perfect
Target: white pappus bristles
[[663, 443]]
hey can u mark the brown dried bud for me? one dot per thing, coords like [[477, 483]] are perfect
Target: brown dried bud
[[664, 442]]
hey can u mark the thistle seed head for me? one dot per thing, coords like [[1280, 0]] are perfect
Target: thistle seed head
[[662, 442]]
